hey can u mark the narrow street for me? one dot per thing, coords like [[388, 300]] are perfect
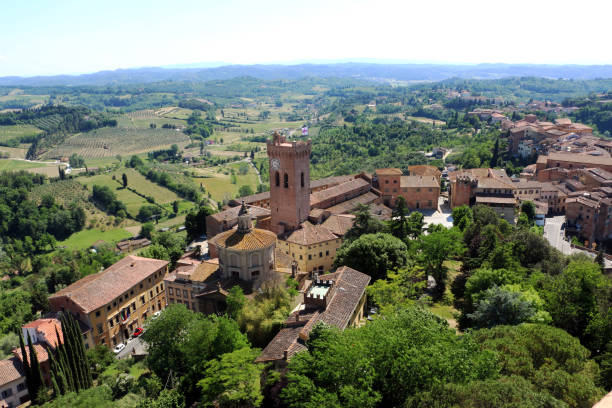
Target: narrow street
[[556, 237], [136, 345]]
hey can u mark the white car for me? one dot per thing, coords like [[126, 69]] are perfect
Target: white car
[[156, 315], [118, 348]]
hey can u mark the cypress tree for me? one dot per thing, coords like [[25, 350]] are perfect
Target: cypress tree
[[37, 377], [70, 355], [65, 377], [56, 390], [81, 354], [26, 364], [76, 347]]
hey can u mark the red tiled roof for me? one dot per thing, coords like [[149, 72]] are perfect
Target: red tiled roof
[[41, 353], [339, 224], [11, 369], [337, 190], [232, 213], [253, 239], [419, 181], [47, 327], [99, 289], [309, 234], [577, 158], [388, 172], [351, 204], [496, 200], [349, 286]]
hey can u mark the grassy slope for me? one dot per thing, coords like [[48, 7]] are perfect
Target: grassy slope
[[14, 131], [84, 239]]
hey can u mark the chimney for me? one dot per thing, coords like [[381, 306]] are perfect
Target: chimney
[[297, 317], [285, 355]]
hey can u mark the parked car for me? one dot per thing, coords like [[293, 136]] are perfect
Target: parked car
[[137, 332], [118, 348], [156, 315]]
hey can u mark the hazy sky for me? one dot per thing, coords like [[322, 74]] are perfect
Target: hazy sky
[[40, 37]]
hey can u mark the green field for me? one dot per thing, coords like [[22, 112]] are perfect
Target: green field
[[14, 152], [138, 182], [218, 183], [109, 142], [132, 201], [15, 131], [84, 239]]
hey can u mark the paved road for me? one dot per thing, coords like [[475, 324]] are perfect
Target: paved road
[[139, 347], [556, 237], [443, 215]]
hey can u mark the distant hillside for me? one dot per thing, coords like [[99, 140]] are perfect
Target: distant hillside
[[384, 72]]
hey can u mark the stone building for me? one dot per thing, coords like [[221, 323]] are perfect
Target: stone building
[[337, 299], [571, 161], [489, 187], [589, 214], [289, 183], [114, 302], [245, 253], [312, 246], [247, 258], [420, 190], [13, 388]]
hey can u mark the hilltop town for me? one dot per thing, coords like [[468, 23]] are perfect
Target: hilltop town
[[332, 243]]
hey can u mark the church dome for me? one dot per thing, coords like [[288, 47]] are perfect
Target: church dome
[[245, 237], [244, 241]]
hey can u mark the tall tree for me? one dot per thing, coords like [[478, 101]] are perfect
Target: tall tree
[[399, 224], [364, 223], [373, 254], [495, 156], [124, 179], [437, 247]]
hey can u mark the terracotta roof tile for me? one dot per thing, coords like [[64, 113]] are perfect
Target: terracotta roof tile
[[419, 181], [41, 353], [349, 285], [339, 224], [99, 289], [577, 158], [309, 234], [232, 213], [496, 200], [337, 190], [254, 239], [11, 369], [351, 204], [47, 328], [389, 172], [424, 170]]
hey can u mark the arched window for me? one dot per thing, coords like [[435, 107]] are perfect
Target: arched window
[[286, 180], [233, 260], [277, 179], [255, 260], [302, 179]]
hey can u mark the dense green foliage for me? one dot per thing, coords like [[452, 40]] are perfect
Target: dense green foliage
[[373, 254], [187, 357], [383, 363]]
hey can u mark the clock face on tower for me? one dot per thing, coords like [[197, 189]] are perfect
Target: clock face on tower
[[275, 164]]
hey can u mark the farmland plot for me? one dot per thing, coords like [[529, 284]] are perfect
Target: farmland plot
[[108, 142], [17, 131]]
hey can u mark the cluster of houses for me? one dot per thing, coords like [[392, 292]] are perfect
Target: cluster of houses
[[295, 230]]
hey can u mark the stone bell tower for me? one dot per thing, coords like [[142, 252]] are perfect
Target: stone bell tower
[[289, 183]]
